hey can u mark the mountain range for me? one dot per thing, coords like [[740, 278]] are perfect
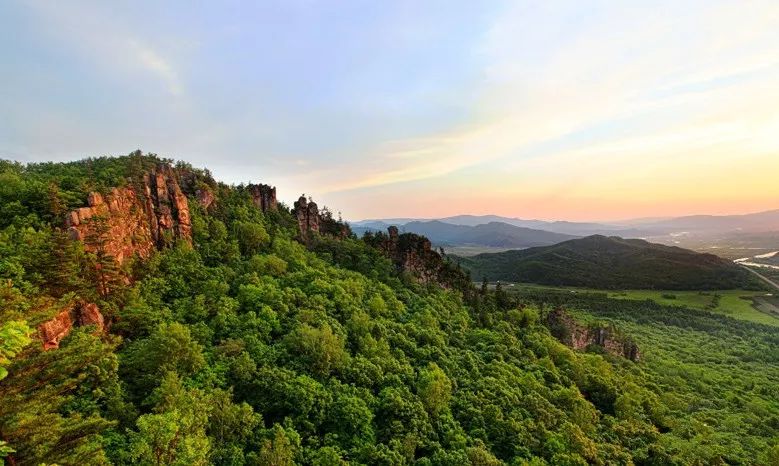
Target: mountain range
[[610, 263], [509, 232]]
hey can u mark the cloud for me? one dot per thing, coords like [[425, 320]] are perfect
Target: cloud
[[95, 31], [152, 61], [552, 75]]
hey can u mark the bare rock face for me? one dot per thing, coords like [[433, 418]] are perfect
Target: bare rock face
[[166, 207], [414, 254], [578, 336], [205, 197], [129, 223], [264, 196], [79, 313], [307, 214]]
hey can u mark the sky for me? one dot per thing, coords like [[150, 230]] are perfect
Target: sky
[[579, 110]]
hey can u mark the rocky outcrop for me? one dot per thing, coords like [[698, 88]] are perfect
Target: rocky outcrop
[[411, 253], [307, 214], [79, 313], [136, 219], [263, 196], [579, 336], [166, 207], [414, 254], [205, 197]]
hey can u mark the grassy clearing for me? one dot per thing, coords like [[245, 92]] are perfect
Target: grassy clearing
[[739, 304]]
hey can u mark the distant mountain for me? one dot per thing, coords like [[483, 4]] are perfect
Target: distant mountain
[[563, 227], [656, 228], [610, 263], [493, 234], [712, 224]]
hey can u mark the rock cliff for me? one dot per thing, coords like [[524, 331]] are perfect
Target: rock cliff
[[135, 219], [414, 254], [579, 336], [264, 196], [78, 313], [307, 214]]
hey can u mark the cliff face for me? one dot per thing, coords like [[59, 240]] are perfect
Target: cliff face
[[126, 223], [578, 336], [264, 196], [79, 313], [307, 214], [414, 254], [411, 253]]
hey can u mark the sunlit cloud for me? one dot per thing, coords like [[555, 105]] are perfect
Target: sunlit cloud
[[547, 109]]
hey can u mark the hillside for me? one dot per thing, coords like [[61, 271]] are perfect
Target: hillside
[[610, 263], [150, 314], [492, 234]]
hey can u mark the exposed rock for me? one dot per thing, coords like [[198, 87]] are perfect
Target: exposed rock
[[579, 336], [78, 313], [414, 254], [130, 224], [205, 197], [166, 207], [264, 196], [54, 330], [307, 214], [89, 314]]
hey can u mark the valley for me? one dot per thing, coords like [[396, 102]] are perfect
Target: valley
[[754, 306]]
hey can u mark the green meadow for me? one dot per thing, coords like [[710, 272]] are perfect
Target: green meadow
[[754, 306]]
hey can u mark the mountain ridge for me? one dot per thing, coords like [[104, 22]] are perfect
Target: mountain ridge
[[599, 261]]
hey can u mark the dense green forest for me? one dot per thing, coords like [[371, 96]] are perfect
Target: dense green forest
[[252, 346], [611, 263]]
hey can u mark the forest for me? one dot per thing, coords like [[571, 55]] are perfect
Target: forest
[[254, 346]]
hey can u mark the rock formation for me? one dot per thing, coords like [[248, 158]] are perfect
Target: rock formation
[[166, 207], [414, 254], [136, 219], [264, 196], [307, 214], [78, 313], [579, 336], [205, 197]]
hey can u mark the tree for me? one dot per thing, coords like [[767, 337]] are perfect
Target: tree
[[434, 389], [106, 269], [14, 336], [169, 348], [320, 348], [52, 404], [175, 434], [279, 448]]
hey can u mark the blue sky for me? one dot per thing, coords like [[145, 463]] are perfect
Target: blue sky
[[596, 110]]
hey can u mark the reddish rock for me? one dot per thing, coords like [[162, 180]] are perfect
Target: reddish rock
[[89, 314], [205, 197], [135, 224], [263, 196], [414, 254], [307, 214], [53, 331]]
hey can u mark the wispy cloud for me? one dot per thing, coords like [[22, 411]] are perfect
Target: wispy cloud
[[154, 63], [551, 73], [112, 44]]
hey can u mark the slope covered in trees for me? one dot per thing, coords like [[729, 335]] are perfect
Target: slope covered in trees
[[611, 263], [251, 346]]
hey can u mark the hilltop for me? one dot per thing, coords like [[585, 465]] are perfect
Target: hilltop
[[610, 263]]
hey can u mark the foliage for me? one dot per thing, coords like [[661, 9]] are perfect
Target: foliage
[[251, 348], [611, 263]]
